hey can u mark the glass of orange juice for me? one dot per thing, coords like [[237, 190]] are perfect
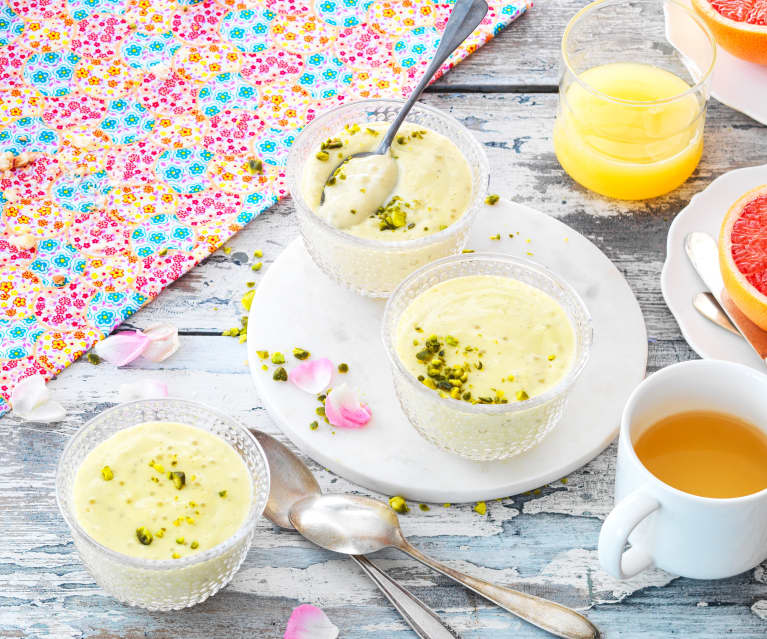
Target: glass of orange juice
[[631, 106]]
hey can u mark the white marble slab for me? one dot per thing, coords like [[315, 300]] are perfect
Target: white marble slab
[[296, 305]]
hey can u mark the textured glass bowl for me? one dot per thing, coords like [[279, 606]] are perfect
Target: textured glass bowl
[[371, 267], [165, 584], [484, 431]]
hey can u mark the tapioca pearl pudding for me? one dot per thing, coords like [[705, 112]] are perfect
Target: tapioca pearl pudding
[[422, 185], [162, 490], [486, 339]]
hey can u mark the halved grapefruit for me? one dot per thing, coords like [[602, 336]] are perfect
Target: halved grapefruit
[[739, 26], [743, 254]]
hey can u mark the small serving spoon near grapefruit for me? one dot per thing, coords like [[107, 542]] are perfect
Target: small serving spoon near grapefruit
[[743, 254], [739, 26]]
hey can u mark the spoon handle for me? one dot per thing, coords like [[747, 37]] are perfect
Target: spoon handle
[[422, 619], [547, 615], [464, 18]]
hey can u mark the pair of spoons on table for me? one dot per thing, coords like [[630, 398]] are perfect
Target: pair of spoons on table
[[355, 525]]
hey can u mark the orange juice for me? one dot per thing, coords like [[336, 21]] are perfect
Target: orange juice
[[637, 134]]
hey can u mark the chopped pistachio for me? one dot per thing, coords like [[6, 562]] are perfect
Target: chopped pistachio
[[497, 236], [280, 375], [334, 143], [323, 156], [93, 359], [180, 540], [424, 507], [371, 131], [480, 507], [300, 353], [278, 358], [552, 357], [320, 410], [160, 533], [178, 477], [107, 473], [343, 368], [399, 505], [262, 354], [492, 199], [314, 425], [257, 266], [250, 284], [522, 396], [143, 535], [401, 139], [258, 253], [158, 467], [451, 341], [222, 493], [175, 555], [467, 251], [194, 545], [247, 299]]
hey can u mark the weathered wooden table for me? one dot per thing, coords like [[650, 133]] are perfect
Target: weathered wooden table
[[543, 542]]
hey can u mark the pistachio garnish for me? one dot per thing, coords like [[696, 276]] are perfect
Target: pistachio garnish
[[194, 545], [343, 368], [222, 493], [93, 359], [178, 477], [314, 425], [399, 505], [492, 199], [300, 353], [334, 143], [144, 536], [278, 358], [258, 253], [522, 396], [280, 375], [322, 156], [107, 474]]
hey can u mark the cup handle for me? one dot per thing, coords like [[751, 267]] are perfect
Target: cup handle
[[615, 533]]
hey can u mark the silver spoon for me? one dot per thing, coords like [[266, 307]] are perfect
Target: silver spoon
[[292, 481], [359, 525], [464, 18]]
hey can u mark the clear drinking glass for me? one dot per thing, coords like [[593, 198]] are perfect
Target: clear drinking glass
[[484, 431], [165, 584], [372, 267], [631, 105]]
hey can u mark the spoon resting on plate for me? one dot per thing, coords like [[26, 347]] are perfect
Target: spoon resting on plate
[[352, 524], [291, 481], [464, 18]]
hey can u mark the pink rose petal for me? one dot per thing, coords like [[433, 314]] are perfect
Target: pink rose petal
[[31, 400], [122, 348], [309, 622], [163, 342], [312, 376], [142, 389], [344, 409]]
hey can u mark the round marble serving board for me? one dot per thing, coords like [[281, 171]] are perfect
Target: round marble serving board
[[297, 305], [680, 283]]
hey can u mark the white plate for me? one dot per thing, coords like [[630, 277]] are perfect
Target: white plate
[[296, 305], [739, 84], [679, 281]]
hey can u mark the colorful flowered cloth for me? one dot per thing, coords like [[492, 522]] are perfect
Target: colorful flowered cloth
[[150, 120]]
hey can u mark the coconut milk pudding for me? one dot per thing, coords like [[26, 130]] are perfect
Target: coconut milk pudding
[[419, 187], [486, 339], [162, 490]]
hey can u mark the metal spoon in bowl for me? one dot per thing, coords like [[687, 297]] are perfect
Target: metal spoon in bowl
[[357, 525], [292, 481], [464, 18]]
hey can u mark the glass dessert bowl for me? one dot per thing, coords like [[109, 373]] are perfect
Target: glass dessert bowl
[[374, 263], [498, 382], [192, 571]]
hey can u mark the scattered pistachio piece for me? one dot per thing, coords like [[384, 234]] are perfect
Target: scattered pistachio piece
[[492, 199], [143, 535], [320, 410], [278, 358], [322, 156], [257, 266], [424, 507], [263, 354], [93, 359], [107, 474], [552, 357], [247, 299], [522, 396], [399, 505], [480, 507], [467, 251], [160, 533], [175, 555], [180, 540], [497, 236], [258, 253], [178, 477], [314, 425], [280, 375], [343, 368], [194, 545], [222, 493], [446, 505], [250, 284], [300, 353]]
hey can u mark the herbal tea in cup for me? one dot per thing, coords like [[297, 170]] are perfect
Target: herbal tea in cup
[[706, 453]]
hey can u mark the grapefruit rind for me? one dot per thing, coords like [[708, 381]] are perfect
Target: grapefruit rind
[[751, 302], [742, 39]]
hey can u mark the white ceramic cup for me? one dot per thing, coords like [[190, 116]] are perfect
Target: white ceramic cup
[[687, 535]]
